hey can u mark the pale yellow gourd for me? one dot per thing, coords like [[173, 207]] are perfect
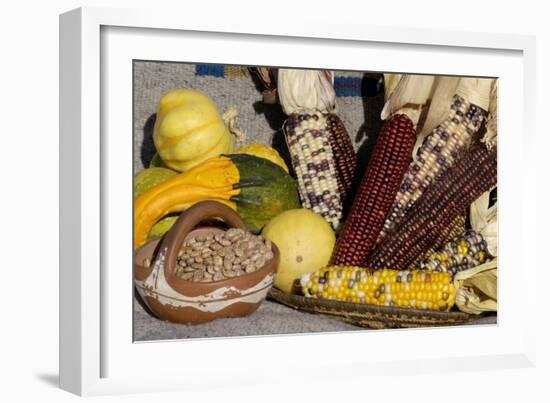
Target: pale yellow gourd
[[189, 130], [305, 241]]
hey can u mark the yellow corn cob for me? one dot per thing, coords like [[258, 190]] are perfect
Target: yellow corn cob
[[406, 289]]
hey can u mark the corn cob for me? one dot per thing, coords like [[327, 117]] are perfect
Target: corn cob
[[405, 289], [376, 192], [312, 158], [438, 152], [448, 197], [344, 156], [462, 253], [457, 228]]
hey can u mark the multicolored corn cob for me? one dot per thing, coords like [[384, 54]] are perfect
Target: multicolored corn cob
[[438, 152], [312, 158], [462, 253], [448, 197], [457, 228], [344, 156], [376, 193], [405, 289]]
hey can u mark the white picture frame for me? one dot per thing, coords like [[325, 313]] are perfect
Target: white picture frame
[[97, 354]]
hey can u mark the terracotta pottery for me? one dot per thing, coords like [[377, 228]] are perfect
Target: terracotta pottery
[[171, 298]]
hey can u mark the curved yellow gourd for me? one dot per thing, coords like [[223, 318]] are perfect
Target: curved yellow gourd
[[254, 187], [212, 180], [189, 130]]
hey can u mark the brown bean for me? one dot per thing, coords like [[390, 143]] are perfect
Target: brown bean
[[260, 262], [229, 273], [224, 242], [215, 246], [227, 264]]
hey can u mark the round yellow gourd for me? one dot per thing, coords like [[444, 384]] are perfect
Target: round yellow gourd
[[263, 151], [305, 241], [189, 130]]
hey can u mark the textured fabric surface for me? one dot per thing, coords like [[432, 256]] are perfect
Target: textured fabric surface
[[359, 101]]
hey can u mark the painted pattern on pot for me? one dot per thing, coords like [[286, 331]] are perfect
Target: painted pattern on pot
[[156, 286]]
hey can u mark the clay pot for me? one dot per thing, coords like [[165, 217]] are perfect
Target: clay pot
[[171, 298]]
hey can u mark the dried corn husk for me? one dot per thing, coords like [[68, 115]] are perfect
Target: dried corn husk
[[390, 82], [302, 91], [444, 88], [476, 289], [408, 97], [266, 75], [229, 117], [490, 137], [484, 220]]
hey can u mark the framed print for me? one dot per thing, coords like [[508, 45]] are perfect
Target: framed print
[[231, 193]]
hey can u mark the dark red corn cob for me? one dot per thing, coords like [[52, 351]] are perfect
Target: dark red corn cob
[[436, 209], [376, 193], [343, 154]]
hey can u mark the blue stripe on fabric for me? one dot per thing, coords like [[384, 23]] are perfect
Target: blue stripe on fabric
[[348, 86], [214, 70]]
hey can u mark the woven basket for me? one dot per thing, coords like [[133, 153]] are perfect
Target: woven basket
[[372, 316]]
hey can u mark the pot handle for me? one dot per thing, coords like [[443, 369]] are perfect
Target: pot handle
[[173, 240]]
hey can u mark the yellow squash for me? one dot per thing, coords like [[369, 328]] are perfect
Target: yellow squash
[[189, 130]]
